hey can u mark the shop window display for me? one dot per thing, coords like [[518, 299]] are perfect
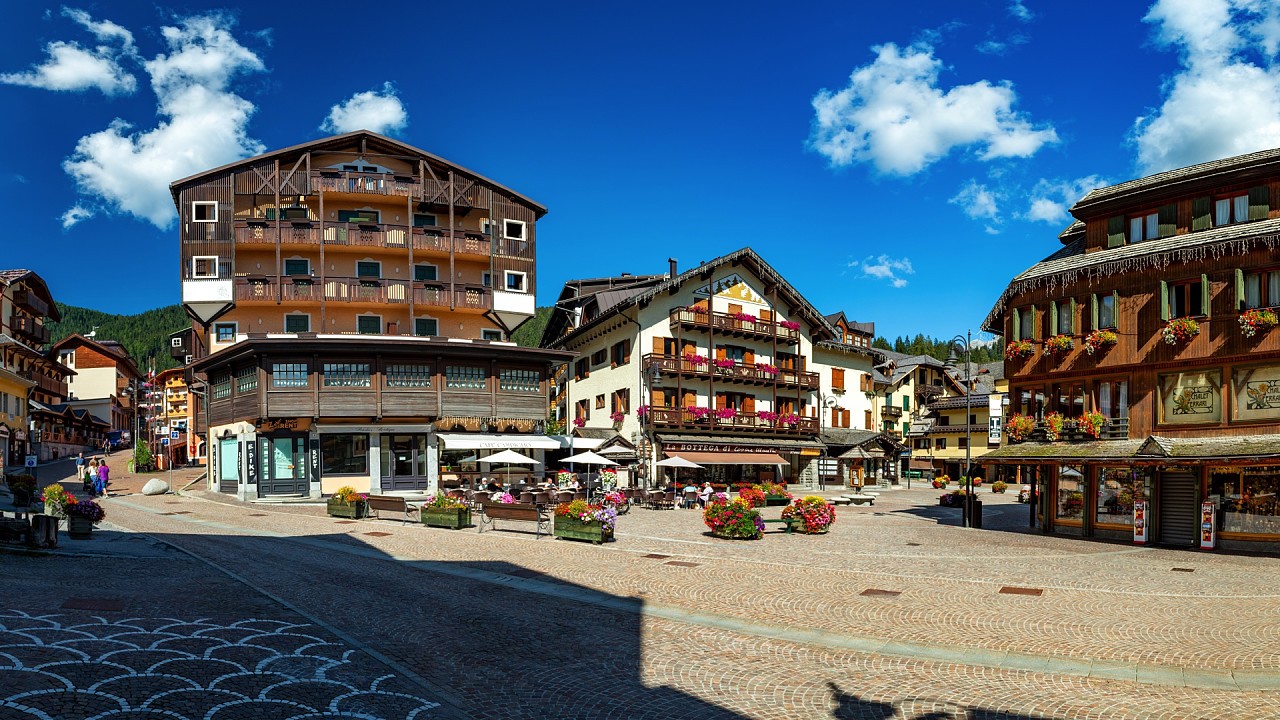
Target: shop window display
[[1248, 499], [1070, 493], [1118, 488]]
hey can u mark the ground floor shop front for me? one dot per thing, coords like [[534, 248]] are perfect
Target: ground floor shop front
[[736, 461]]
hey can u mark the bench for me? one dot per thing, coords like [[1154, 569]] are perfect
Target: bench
[[788, 525], [392, 503], [527, 512], [860, 498]]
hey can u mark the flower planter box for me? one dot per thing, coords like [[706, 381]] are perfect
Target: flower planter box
[[575, 529], [951, 501], [776, 501], [453, 518], [355, 511], [79, 528]]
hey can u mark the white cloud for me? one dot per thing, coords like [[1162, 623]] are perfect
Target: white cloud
[[1225, 100], [885, 268], [1020, 11], [978, 202], [370, 110], [75, 214], [894, 115], [203, 125], [1050, 199], [71, 67]]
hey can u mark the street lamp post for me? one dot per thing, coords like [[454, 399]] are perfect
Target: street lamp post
[[965, 341]]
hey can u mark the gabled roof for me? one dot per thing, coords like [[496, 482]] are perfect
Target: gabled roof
[[604, 292], [1174, 180], [867, 328], [110, 348], [339, 143], [32, 280]]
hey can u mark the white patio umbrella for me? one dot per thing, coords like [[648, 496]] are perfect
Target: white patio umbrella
[[677, 462], [589, 458], [508, 458]]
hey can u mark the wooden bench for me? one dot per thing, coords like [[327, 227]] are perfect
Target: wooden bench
[[788, 525], [860, 498], [527, 512], [393, 503]]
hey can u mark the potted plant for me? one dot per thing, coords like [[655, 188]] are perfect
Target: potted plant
[[753, 497], [608, 479], [810, 515], [767, 415], [733, 520], [56, 498], [697, 361], [955, 498], [440, 510], [1180, 330], [579, 422], [1054, 422], [745, 317], [1019, 350], [775, 494], [999, 486], [580, 520], [1059, 345], [1091, 423], [1257, 320], [768, 369], [82, 515], [1019, 427], [698, 413], [347, 503], [726, 413], [940, 482], [1099, 341], [564, 478], [23, 487], [790, 324]]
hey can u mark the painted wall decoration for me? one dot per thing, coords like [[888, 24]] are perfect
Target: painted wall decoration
[[1257, 392], [1191, 398], [732, 287]]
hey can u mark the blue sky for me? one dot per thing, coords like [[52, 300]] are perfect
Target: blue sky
[[900, 164]]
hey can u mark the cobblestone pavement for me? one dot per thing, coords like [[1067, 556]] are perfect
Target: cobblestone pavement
[[895, 613]]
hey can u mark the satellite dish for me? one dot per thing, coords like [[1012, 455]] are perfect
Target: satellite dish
[[830, 402]]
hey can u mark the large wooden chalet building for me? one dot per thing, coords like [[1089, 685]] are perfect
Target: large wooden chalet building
[[1143, 367]]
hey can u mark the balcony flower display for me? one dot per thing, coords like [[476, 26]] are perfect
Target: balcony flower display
[[811, 513], [698, 413], [768, 369], [579, 422], [1257, 320], [1180, 330], [695, 360], [699, 309], [745, 317], [1054, 422], [790, 324], [752, 497], [1099, 341], [733, 520], [1059, 345], [1019, 427], [1019, 350], [725, 364], [726, 413], [618, 416], [767, 415], [791, 419], [1091, 423], [642, 412]]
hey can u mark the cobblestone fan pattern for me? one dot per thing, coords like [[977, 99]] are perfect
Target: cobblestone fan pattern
[[80, 667], [524, 628]]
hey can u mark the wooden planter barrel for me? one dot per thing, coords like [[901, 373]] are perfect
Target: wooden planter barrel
[[575, 529], [79, 527], [452, 518], [355, 510]]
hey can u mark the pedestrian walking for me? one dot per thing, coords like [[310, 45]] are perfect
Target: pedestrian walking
[[80, 465], [104, 478], [91, 481]]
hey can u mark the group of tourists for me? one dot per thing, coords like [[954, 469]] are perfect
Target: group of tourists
[[95, 474], [691, 496]]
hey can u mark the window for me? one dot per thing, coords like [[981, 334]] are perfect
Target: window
[[600, 402], [368, 269], [175, 342], [289, 375], [409, 376], [581, 369], [1071, 494], [1103, 310], [906, 403], [837, 379], [426, 327], [1230, 209], [358, 216], [369, 324], [204, 267], [346, 374], [620, 353], [1113, 398], [582, 410], [464, 377], [297, 323], [246, 380], [962, 443], [1144, 227], [344, 454], [1024, 323], [204, 212], [620, 401], [940, 443], [599, 357], [515, 281], [1118, 488], [489, 334], [423, 272], [1187, 298], [222, 386], [513, 229], [519, 380], [424, 220], [486, 279], [297, 266], [1064, 312], [1258, 289], [224, 332]]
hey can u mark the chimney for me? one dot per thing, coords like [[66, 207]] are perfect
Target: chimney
[[672, 263]]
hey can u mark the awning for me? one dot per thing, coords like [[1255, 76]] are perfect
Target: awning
[[730, 458], [579, 443], [482, 441]]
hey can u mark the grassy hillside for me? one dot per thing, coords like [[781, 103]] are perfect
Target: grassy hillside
[[144, 335]]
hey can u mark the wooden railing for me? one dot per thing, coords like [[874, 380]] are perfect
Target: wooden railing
[[29, 328], [681, 418], [366, 235], [1114, 429], [756, 373], [263, 232], [27, 299], [728, 324], [439, 295], [52, 386], [366, 290], [891, 411], [513, 248], [462, 242], [359, 183]]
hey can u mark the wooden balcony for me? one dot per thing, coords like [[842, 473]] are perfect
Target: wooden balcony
[[928, 392], [891, 411], [461, 297], [27, 300], [299, 233], [726, 324], [739, 373], [975, 430], [1115, 429], [513, 248], [366, 235], [743, 422], [52, 386], [372, 291], [26, 328], [460, 242], [359, 183]]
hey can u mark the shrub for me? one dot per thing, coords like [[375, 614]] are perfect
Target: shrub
[[734, 519], [999, 486]]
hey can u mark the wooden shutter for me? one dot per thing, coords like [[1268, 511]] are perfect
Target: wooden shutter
[[749, 404], [690, 348], [734, 309], [835, 417], [657, 398], [766, 314], [1259, 202], [626, 351], [1073, 316], [1093, 311], [1168, 219], [1035, 324], [844, 416], [1239, 290], [721, 401], [1164, 301], [1115, 309], [1201, 214], [1204, 294], [720, 354], [837, 378], [659, 345], [690, 399], [1115, 231], [1053, 319], [1017, 325]]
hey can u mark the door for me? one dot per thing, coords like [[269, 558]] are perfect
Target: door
[[1177, 512], [285, 471], [404, 462]]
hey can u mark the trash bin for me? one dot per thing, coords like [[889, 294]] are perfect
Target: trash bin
[[977, 514]]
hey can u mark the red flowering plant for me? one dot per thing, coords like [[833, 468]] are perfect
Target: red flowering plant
[[1054, 422], [589, 513], [1100, 341], [1059, 344], [736, 520], [579, 422], [695, 360], [618, 416], [726, 413], [642, 412], [1180, 330], [752, 497], [56, 498], [773, 489], [698, 413], [745, 317], [1019, 427], [767, 369], [814, 513], [790, 324], [1256, 320], [791, 419], [1091, 423], [767, 415], [699, 309], [1019, 350], [725, 364]]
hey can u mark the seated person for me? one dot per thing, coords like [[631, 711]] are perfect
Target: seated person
[[493, 486]]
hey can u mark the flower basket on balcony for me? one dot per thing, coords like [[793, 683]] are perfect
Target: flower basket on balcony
[[789, 419], [696, 361], [1019, 427], [1180, 330], [724, 365], [1054, 422], [642, 412], [697, 413], [745, 317], [790, 324], [1091, 424], [1257, 320], [767, 415], [579, 422], [1099, 341], [1059, 345], [617, 417], [698, 309], [726, 413], [768, 369], [1019, 350]]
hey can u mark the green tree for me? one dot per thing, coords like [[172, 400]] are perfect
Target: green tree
[[145, 335]]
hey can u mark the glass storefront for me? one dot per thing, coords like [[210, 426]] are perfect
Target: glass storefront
[[1070, 498], [344, 454], [1118, 488], [1247, 498]]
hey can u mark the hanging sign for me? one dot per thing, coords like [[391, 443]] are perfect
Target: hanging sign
[[995, 420], [1139, 522], [1208, 526]]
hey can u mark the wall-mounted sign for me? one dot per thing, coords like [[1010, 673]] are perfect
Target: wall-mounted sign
[[995, 422], [266, 425], [711, 447], [1257, 392], [1191, 398], [1139, 522], [251, 462]]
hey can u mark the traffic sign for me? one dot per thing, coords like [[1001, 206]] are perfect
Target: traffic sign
[[164, 441], [32, 460], [174, 435]]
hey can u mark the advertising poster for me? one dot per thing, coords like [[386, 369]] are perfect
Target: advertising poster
[[1139, 522], [1208, 529]]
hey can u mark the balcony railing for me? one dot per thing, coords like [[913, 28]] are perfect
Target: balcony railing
[[359, 183], [1114, 429], [439, 295], [263, 232], [727, 324], [928, 391], [50, 385], [27, 299], [366, 235], [891, 411], [952, 429], [748, 422], [460, 242], [28, 328], [366, 290], [738, 372]]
